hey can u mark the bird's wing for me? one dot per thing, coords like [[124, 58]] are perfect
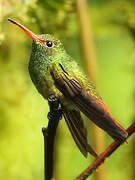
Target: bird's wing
[[78, 131], [92, 107]]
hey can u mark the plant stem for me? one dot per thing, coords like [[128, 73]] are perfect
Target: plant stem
[[49, 133], [101, 158]]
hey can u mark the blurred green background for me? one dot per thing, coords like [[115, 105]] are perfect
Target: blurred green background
[[23, 112]]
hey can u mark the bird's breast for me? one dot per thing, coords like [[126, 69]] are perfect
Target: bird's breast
[[43, 80], [44, 83]]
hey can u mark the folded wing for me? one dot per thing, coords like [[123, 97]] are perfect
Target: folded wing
[[92, 107]]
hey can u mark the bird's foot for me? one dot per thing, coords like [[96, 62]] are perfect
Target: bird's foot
[[55, 107]]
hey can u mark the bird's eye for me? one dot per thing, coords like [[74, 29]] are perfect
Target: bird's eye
[[49, 43]]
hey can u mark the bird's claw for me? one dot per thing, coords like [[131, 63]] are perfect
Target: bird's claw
[[55, 107]]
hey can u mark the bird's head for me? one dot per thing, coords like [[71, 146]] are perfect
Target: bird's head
[[44, 44]]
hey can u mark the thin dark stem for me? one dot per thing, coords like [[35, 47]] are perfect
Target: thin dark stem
[[49, 133], [101, 158]]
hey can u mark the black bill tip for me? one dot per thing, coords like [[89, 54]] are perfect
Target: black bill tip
[[11, 20]]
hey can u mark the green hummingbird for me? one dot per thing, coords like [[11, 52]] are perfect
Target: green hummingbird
[[55, 72]]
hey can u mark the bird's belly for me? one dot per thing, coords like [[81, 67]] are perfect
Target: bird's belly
[[45, 86]]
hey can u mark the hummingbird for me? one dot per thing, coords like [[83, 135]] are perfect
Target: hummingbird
[[54, 72]]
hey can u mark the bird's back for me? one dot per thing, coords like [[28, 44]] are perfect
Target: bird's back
[[72, 67]]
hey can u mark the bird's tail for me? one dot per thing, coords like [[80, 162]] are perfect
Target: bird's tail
[[78, 131]]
